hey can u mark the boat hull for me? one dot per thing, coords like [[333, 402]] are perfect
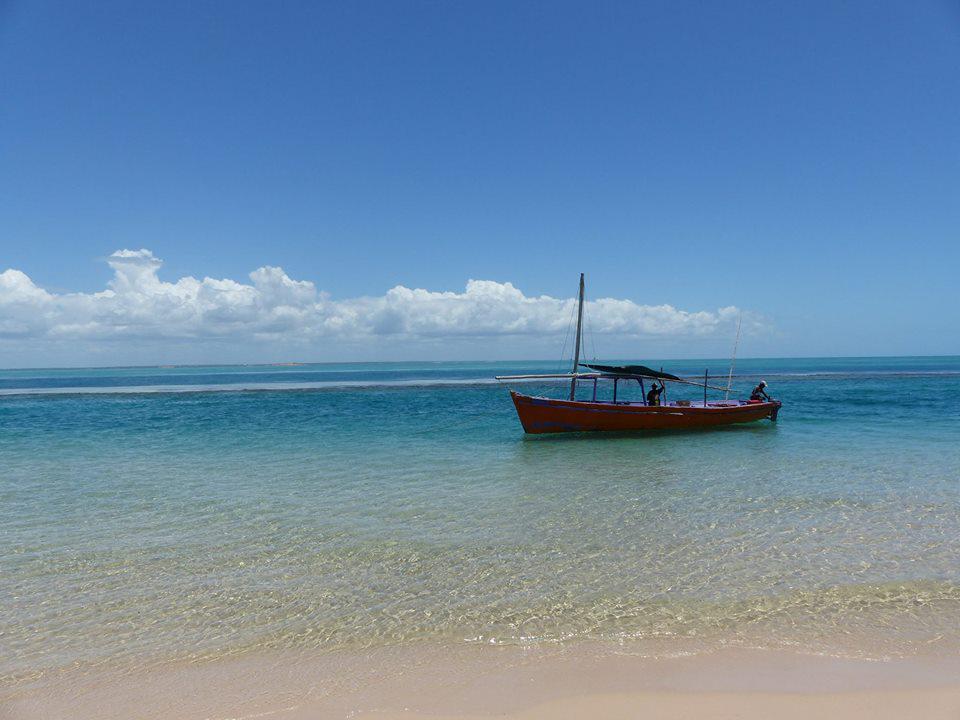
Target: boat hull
[[545, 415]]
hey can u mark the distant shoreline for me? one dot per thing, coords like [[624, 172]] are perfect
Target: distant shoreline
[[306, 363]]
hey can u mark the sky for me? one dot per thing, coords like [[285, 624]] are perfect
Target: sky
[[267, 182]]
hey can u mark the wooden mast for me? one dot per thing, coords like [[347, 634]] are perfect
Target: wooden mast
[[576, 347]]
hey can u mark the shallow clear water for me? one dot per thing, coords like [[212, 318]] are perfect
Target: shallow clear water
[[378, 504]]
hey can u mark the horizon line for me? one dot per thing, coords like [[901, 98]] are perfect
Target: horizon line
[[298, 363]]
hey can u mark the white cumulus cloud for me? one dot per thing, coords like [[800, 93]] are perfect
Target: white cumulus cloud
[[271, 306]]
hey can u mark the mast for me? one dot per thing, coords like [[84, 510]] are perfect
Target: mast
[[576, 347]]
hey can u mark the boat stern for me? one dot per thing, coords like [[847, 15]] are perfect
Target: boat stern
[[775, 410]]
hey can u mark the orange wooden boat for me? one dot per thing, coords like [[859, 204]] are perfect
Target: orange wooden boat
[[550, 415]]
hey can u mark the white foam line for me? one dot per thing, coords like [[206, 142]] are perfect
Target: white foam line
[[239, 387], [374, 383]]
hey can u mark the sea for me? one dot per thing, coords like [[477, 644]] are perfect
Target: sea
[[153, 515]]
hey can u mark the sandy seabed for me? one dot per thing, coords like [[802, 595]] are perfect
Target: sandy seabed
[[467, 682]]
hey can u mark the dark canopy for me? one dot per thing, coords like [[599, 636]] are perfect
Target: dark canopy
[[631, 370]]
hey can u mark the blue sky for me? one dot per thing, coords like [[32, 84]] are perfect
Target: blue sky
[[798, 161]]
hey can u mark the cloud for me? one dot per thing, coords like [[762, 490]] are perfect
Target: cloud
[[138, 305]]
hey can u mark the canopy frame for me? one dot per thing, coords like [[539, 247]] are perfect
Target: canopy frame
[[606, 376]]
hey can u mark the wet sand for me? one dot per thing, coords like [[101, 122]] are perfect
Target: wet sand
[[930, 705], [463, 683]]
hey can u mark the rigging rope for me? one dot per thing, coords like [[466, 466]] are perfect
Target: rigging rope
[[563, 350], [733, 360], [589, 326]]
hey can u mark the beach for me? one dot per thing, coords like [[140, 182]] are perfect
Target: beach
[[454, 684], [381, 541]]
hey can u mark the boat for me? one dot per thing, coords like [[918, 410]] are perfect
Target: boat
[[540, 415]]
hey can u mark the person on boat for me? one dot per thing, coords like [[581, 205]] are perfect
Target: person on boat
[[653, 396], [760, 392]]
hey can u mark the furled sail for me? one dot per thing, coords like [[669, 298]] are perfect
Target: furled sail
[[631, 370]]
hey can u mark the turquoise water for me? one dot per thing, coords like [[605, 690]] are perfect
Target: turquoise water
[[164, 514]]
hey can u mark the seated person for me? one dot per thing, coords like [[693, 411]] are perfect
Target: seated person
[[760, 392]]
